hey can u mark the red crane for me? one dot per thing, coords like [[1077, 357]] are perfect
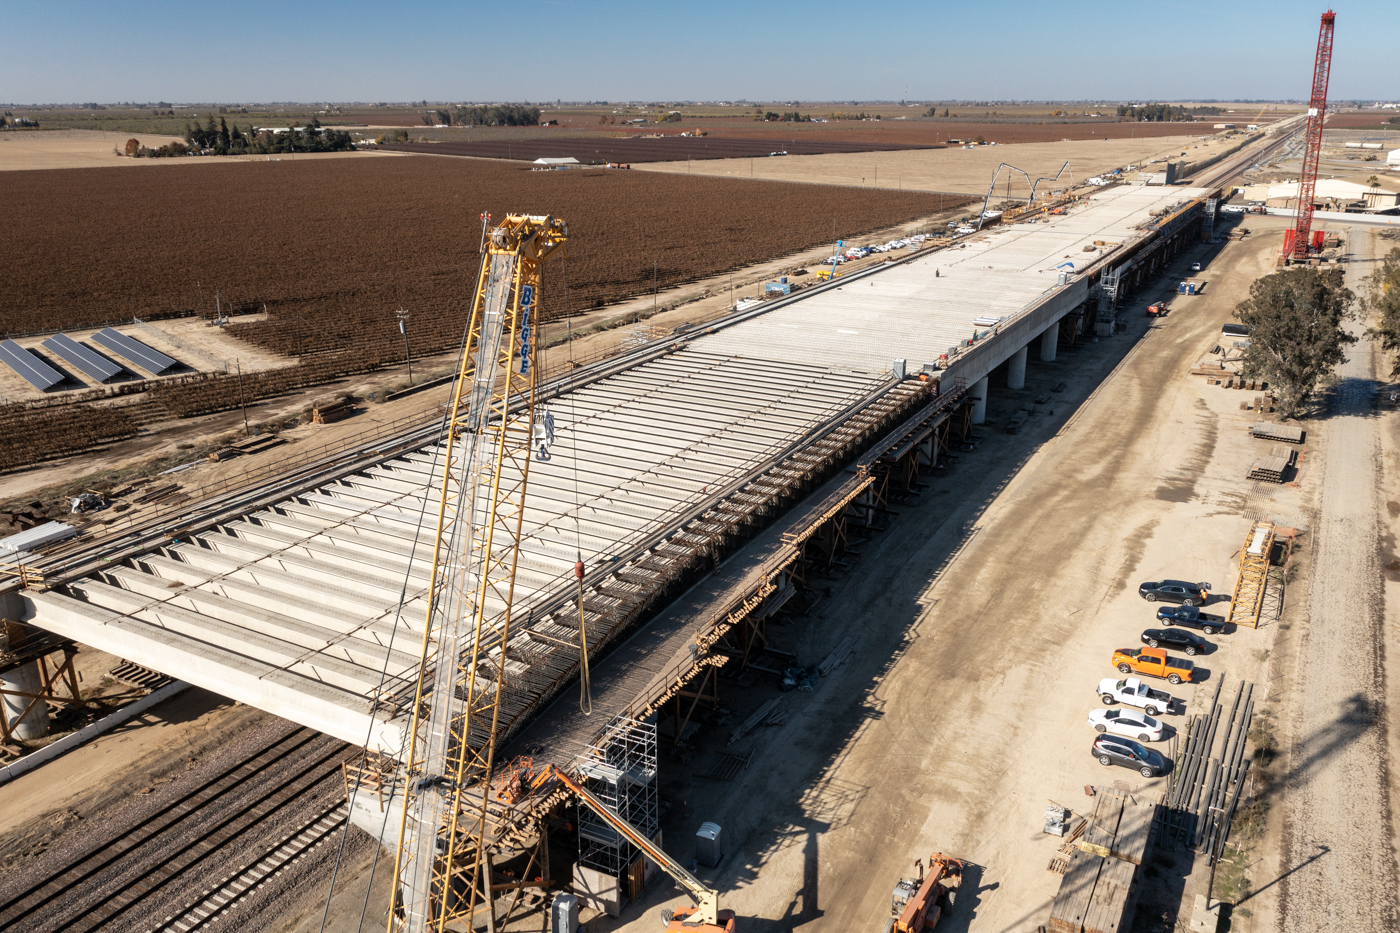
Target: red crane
[[1317, 111]]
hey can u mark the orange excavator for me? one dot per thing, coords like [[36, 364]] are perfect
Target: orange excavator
[[705, 916], [918, 905]]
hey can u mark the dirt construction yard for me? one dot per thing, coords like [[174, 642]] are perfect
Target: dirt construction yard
[[986, 615]]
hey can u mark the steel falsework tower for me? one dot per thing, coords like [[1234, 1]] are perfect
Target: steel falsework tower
[[1312, 147]]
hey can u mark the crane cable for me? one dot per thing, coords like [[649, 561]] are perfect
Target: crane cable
[[585, 680]]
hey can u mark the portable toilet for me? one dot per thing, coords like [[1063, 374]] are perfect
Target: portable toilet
[[708, 847], [1181, 289], [563, 914]]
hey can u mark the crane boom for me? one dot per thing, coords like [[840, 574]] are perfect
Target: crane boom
[[441, 866], [1312, 146]]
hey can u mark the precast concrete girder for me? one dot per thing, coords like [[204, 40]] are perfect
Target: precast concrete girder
[[268, 686]]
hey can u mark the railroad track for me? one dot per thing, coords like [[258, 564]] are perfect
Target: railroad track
[[118, 882], [218, 899]]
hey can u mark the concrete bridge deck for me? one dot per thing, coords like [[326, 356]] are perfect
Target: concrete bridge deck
[[312, 606]]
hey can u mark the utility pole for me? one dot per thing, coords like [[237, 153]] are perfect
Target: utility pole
[[653, 286], [403, 319], [241, 402]]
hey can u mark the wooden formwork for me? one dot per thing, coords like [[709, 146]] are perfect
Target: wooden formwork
[[58, 678]]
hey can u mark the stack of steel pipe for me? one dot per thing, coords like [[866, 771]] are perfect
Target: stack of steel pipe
[[1206, 783]]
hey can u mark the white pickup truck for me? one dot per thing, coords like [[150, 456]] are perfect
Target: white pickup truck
[[1134, 692]]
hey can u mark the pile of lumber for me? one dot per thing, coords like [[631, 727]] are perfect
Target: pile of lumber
[[1270, 469], [837, 657], [331, 412], [1265, 403], [1098, 891], [1269, 431], [766, 714], [247, 445]]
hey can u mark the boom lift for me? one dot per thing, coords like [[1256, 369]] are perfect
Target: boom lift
[[919, 904], [705, 916], [442, 866]]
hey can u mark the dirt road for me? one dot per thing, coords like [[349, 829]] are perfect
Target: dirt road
[[1339, 864]]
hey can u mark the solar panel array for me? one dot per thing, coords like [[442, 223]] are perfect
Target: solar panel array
[[136, 351], [94, 364], [39, 374]]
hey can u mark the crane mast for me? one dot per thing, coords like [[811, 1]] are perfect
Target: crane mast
[[441, 866], [1312, 147]]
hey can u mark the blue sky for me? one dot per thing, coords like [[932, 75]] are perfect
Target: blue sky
[[72, 51]]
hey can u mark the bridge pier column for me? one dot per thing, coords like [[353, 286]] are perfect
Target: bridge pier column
[[978, 393], [1049, 343], [1016, 369]]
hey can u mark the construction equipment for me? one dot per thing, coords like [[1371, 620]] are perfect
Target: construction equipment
[[1297, 242], [1253, 580], [442, 865], [705, 916], [919, 904]]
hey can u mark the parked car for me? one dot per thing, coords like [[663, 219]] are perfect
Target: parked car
[[1134, 692], [1190, 645], [1111, 750], [1127, 722], [1175, 591], [1154, 662], [1191, 617], [1195, 267]]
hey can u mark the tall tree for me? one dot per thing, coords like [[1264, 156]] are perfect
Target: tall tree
[[1384, 300], [1297, 334]]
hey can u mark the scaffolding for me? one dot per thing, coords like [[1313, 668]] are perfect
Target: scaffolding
[[1248, 598], [1208, 219], [619, 768], [1108, 303]]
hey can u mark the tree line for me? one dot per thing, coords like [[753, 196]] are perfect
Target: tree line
[[1165, 113], [222, 139], [484, 115]]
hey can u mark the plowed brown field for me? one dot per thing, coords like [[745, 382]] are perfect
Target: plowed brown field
[[334, 248], [595, 145]]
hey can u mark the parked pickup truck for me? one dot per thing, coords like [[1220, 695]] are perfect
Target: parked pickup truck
[[1154, 662], [1133, 692]]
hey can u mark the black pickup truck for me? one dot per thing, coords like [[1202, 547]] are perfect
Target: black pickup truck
[[1191, 617]]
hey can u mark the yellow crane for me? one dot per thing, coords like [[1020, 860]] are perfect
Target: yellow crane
[[442, 868]]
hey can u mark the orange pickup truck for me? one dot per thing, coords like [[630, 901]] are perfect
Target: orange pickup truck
[[1153, 662]]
